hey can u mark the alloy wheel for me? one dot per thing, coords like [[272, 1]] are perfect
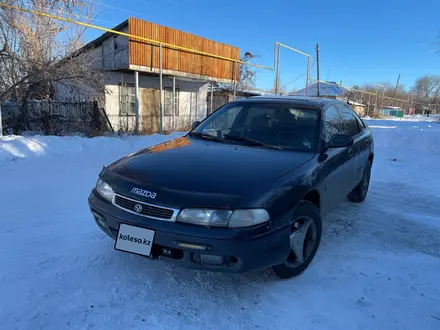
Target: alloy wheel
[[302, 241]]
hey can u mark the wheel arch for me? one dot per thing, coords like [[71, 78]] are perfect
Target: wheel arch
[[313, 196]]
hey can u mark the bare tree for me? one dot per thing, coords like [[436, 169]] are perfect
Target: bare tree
[[33, 49], [247, 75], [351, 94], [427, 89]]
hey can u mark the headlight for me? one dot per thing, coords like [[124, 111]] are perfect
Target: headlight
[[247, 218], [205, 217], [223, 218], [105, 190]]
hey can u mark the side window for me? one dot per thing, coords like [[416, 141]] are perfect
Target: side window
[[350, 122], [127, 100], [360, 122], [333, 124]]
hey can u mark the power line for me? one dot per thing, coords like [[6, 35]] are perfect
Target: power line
[[113, 7], [144, 39], [295, 80], [150, 3], [70, 14], [299, 77]]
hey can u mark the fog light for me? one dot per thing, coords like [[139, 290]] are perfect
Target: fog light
[[167, 252], [192, 246], [99, 219], [211, 259]]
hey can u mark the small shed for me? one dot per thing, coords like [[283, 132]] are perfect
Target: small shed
[[391, 112]]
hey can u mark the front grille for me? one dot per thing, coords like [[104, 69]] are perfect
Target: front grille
[[147, 209]]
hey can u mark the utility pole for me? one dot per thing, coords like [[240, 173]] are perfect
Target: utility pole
[[377, 99], [161, 90], [277, 78], [136, 92], [317, 69], [309, 67], [235, 80], [397, 85]]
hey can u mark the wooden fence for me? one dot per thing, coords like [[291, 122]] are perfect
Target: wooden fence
[[54, 118]]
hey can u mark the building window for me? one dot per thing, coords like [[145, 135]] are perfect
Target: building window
[[127, 100], [168, 110]]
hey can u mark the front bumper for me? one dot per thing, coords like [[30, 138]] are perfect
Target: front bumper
[[241, 249]]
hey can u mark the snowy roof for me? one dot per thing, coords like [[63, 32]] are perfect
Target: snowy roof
[[330, 88], [243, 91], [356, 103]]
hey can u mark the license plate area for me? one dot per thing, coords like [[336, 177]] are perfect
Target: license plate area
[[134, 239]]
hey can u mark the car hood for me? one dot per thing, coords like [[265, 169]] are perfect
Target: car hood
[[201, 166]]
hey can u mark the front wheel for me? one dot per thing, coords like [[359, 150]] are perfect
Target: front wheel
[[304, 241]]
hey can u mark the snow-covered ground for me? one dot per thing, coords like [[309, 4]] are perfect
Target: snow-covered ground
[[378, 266]]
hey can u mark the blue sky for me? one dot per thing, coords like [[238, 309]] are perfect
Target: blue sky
[[360, 42]]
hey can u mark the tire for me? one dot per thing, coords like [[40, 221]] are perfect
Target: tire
[[359, 193], [306, 212]]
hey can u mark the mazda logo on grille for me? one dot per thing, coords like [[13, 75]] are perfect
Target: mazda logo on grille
[[138, 208]]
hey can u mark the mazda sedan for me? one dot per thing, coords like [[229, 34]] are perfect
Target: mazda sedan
[[245, 189]]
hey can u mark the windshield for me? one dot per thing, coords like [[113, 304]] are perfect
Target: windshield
[[282, 126]]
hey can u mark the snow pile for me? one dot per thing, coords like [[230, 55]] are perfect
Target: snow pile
[[411, 118], [406, 135], [377, 267], [16, 147]]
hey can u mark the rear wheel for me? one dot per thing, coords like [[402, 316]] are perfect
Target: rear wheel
[[304, 241], [359, 193]]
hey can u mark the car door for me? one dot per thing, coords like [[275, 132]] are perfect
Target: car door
[[359, 151], [335, 170], [363, 140]]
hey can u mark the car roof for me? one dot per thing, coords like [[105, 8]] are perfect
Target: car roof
[[309, 101]]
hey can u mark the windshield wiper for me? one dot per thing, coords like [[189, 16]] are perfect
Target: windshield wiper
[[206, 136], [251, 142]]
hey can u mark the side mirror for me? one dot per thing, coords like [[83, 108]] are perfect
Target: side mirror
[[340, 141], [195, 124]]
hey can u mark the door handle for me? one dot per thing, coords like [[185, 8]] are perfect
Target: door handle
[[350, 152]]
